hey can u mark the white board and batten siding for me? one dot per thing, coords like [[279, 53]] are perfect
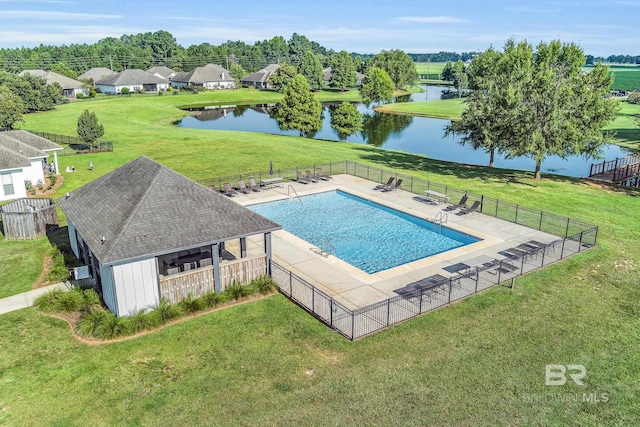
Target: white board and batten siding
[[109, 289], [136, 286]]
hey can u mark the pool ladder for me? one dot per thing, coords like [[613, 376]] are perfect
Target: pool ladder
[[293, 196], [325, 249], [441, 218]]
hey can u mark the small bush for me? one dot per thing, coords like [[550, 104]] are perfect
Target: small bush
[[90, 298], [58, 270], [165, 311], [124, 90], [237, 291], [53, 178], [91, 320], [190, 305], [634, 98], [139, 322], [211, 299], [263, 285], [60, 301], [80, 95], [110, 327]]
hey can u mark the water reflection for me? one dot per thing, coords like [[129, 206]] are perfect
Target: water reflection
[[417, 135]]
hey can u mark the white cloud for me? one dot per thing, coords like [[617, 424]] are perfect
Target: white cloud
[[433, 19], [524, 9]]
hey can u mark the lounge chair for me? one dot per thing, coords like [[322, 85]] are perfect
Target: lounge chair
[[515, 253], [474, 208], [393, 187], [322, 176], [253, 186], [242, 187], [228, 191], [461, 203], [310, 176], [381, 186], [301, 179]]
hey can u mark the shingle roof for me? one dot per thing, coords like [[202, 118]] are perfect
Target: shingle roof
[[6, 141], [162, 71], [130, 77], [32, 140], [261, 76], [144, 208], [201, 75], [51, 77], [96, 73], [12, 160]]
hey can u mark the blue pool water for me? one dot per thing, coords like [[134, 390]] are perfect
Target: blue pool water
[[365, 234]]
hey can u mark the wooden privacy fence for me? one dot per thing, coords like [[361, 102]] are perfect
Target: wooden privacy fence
[[198, 282], [27, 219]]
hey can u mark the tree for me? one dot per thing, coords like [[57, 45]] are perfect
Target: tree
[[540, 104], [64, 70], [398, 65], [376, 86], [343, 71], [311, 69], [447, 72], [89, 130], [35, 93], [282, 78], [11, 108], [346, 119], [460, 78], [299, 109], [237, 72]]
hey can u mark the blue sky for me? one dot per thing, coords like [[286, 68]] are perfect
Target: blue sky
[[601, 28]]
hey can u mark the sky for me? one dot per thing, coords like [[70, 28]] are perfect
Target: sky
[[601, 28]]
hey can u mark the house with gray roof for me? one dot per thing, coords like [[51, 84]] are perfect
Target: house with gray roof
[[146, 232], [96, 74], [211, 76], [260, 79], [70, 87], [134, 79], [163, 72], [327, 73], [22, 157]]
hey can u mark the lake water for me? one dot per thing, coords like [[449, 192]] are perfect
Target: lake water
[[416, 135]]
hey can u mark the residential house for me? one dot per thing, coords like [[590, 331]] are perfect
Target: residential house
[[70, 87], [22, 157], [134, 80], [163, 72], [146, 232], [260, 79], [96, 74], [211, 76], [327, 73]]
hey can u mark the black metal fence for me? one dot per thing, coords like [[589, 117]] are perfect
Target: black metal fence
[[573, 237], [74, 145]]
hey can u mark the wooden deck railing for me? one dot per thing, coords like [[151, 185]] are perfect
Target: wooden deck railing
[[200, 281], [613, 165]]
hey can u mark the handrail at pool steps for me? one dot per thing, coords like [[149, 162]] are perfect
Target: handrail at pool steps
[[532, 218], [295, 193]]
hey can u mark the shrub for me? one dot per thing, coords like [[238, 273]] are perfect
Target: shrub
[[58, 270], [58, 300], [190, 304], [110, 327], [53, 178], [124, 90], [90, 298], [634, 98], [91, 320], [165, 311], [264, 285], [139, 322], [237, 291], [80, 95], [211, 299]]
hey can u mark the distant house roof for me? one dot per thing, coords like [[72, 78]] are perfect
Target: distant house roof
[[327, 73], [144, 208], [261, 76], [130, 77], [33, 140], [201, 75], [51, 77], [162, 71], [96, 73]]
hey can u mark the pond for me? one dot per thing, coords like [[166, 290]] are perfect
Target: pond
[[416, 135]]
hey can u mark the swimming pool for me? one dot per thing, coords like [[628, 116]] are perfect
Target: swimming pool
[[365, 234]]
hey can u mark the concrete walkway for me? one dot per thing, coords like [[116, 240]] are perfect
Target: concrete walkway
[[25, 299]]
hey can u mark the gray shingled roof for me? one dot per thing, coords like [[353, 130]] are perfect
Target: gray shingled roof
[[96, 73], [162, 71], [34, 141], [11, 160], [51, 77], [261, 76], [201, 75], [130, 77], [20, 147], [144, 208]]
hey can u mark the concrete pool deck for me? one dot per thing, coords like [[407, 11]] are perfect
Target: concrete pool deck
[[354, 288]]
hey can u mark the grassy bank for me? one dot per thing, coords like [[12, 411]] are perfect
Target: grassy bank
[[478, 362]]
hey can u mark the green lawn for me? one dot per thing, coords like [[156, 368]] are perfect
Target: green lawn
[[478, 362], [625, 77]]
